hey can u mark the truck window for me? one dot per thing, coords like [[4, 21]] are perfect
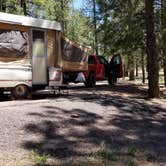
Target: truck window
[[91, 60], [116, 60], [102, 60]]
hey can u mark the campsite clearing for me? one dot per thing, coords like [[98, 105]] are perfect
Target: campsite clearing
[[104, 125]]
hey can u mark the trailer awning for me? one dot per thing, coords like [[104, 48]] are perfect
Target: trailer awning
[[29, 21]]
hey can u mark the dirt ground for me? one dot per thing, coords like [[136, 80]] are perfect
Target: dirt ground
[[105, 125]]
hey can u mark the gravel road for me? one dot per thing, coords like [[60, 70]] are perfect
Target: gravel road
[[76, 123]]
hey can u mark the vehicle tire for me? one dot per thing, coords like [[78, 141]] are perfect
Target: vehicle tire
[[91, 80], [21, 92], [1, 93], [112, 80]]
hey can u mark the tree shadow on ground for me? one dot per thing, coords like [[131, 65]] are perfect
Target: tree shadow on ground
[[135, 90], [55, 142], [76, 133]]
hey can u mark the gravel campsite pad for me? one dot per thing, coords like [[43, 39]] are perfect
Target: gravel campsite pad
[[104, 125]]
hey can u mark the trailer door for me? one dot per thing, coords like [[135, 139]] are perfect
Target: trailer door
[[39, 58]]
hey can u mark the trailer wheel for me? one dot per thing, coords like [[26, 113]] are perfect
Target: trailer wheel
[[21, 92], [91, 80]]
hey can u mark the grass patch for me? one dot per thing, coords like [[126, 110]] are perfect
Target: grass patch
[[86, 162], [151, 157], [132, 163], [105, 154], [40, 160], [132, 151]]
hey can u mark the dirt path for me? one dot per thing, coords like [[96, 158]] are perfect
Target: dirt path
[[118, 121]]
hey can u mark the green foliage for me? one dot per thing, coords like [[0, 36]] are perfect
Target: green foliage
[[105, 154], [132, 150], [132, 163], [11, 6], [123, 25], [39, 159], [79, 28]]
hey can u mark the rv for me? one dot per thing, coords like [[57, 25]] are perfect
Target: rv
[[30, 51]]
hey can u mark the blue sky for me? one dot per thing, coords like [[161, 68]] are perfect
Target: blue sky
[[78, 4]]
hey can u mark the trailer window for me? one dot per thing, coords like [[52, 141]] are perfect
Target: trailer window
[[13, 43], [72, 53], [38, 43]]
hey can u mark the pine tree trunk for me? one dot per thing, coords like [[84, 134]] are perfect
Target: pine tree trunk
[[95, 26], [153, 68], [143, 66], [23, 5], [131, 58], [3, 5], [131, 75], [164, 67], [136, 69], [131, 64], [163, 23], [106, 29], [62, 19]]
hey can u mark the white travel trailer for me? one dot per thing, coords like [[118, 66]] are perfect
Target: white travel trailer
[[29, 51]]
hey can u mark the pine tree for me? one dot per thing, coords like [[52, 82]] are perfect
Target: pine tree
[[153, 68]]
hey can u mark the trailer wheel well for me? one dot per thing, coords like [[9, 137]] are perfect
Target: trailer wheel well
[[21, 91]]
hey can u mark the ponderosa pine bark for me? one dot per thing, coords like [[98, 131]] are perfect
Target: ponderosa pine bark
[[95, 27], [152, 57], [143, 66], [3, 5], [163, 24], [24, 6]]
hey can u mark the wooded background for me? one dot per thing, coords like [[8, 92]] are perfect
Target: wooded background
[[135, 28]]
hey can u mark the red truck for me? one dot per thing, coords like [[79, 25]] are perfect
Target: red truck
[[100, 69]]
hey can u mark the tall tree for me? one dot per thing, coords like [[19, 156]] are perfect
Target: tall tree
[[131, 58], [24, 6], [95, 26], [153, 68], [143, 65], [79, 28], [163, 28], [90, 9], [64, 13], [63, 7], [3, 5], [123, 29]]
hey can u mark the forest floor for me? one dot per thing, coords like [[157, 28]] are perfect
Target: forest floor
[[102, 126]]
